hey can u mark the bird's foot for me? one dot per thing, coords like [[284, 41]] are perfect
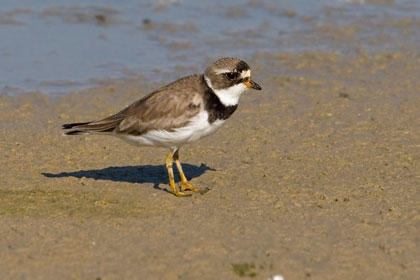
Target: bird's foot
[[175, 190], [185, 186], [180, 194], [188, 187]]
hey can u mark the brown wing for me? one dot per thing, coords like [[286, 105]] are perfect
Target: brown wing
[[167, 108]]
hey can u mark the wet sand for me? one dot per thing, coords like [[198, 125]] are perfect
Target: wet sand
[[315, 177]]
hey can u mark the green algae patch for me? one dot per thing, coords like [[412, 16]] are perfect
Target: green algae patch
[[52, 203], [244, 269]]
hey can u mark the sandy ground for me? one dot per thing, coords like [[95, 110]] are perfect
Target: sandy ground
[[315, 177]]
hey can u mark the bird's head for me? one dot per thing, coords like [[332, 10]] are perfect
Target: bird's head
[[229, 78]]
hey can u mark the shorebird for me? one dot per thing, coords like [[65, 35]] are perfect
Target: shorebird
[[178, 113]]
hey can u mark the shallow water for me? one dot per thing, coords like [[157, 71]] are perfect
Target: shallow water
[[56, 48]]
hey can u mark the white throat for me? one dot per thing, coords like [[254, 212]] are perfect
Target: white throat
[[229, 96]]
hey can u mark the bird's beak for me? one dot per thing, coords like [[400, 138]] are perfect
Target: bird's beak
[[253, 85]]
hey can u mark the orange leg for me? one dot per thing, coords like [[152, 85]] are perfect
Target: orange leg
[[169, 163], [185, 185]]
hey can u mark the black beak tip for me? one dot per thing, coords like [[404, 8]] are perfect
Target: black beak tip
[[256, 86]]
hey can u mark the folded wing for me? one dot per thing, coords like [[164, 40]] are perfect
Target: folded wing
[[167, 108]]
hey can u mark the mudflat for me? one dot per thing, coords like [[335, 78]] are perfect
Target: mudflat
[[315, 177]]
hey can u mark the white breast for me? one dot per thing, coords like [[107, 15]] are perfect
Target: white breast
[[197, 128]]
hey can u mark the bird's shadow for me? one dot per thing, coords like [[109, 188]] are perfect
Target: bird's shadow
[[155, 174]]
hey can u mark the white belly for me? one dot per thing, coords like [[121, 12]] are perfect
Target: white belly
[[197, 128]]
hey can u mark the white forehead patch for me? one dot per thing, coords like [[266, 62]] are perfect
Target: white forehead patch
[[246, 74]]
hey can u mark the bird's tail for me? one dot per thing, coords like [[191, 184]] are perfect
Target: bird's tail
[[103, 126], [74, 126]]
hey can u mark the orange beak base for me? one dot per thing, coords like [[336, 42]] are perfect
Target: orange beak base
[[253, 85]]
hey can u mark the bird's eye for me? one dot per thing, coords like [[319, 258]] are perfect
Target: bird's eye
[[232, 75]]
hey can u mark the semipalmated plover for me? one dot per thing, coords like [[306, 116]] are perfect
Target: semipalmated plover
[[181, 112]]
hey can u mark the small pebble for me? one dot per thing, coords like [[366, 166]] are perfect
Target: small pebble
[[276, 277]]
